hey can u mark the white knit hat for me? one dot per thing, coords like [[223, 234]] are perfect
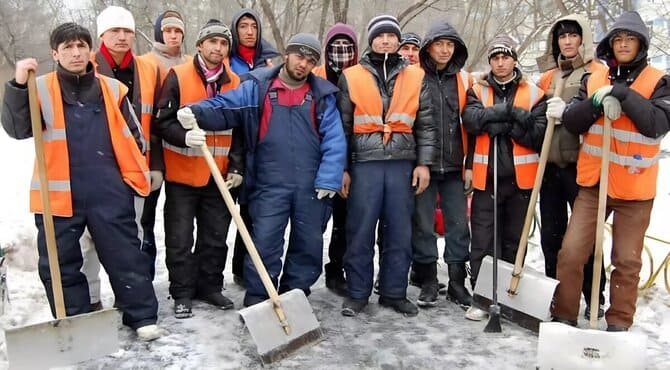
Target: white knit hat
[[115, 17]]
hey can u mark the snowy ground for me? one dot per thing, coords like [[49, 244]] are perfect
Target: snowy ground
[[379, 338]]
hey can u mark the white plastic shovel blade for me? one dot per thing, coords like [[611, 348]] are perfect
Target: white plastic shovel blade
[[534, 293], [272, 342], [63, 342], [561, 346]]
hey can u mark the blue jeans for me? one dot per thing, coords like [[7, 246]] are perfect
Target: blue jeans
[[454, 209]]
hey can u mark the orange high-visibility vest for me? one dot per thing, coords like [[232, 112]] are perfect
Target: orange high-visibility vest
[[153, 58], [525, 159], [148, 75], [187, 165], [364, 93], [633, 167], [320, 71], [464, 81], [132, 164]]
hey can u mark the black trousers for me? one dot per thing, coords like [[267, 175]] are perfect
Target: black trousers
[[195, 270]]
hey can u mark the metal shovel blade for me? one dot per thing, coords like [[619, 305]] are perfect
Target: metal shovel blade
[[63, 342], [561, 346], [272, 342], [532, 302]]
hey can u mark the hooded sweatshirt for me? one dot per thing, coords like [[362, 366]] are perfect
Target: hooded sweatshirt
[[164, 57], [264, 50], [565, 145], [443, 87], [336, 31]]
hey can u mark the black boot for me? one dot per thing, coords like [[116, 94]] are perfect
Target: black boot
[[427, 274], [183, 308], [442, 287], [335, 280], [456, 290], [352, 306], [217, 299], [402, 305]]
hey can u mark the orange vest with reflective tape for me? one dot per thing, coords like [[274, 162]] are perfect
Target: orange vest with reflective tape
[[187, 165], [463, 81], [153, 59], [364, 93], [320, 71], [129, 158], [633, 167], [147, 73], [525, 159]]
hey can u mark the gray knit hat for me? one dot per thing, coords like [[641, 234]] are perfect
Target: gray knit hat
[[213, 28], [305, 44], [502, 44], [383, 23]]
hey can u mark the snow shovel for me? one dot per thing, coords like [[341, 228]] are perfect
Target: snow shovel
[[281, 325], [65, 340], [527, 302], [493, 326], [561, 346]]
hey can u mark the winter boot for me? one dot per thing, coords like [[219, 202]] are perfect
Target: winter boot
[[612, 327], [456, 290], [148, 333], [97, 306], [250, 300], [352, 307], [413, 281], [336, 282], [572, 323], [427, 274], [402, 305], [182, 308], [217, 299]]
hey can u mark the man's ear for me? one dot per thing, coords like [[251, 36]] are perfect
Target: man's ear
[[54, 55]]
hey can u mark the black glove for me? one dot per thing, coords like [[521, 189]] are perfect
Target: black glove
[[517, 131], [498, 112], [522, 117], [497, 128]]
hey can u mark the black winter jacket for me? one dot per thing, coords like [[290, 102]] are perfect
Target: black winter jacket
[[443, 88], [419, 146], [650, 116], [168, 128], [526, 128]]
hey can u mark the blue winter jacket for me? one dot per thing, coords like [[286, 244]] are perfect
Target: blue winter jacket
[[243, 107]]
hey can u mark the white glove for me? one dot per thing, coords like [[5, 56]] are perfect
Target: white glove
[[186, 118], [156, 180], [322, 193], [611, 107], [233, 180], [195, 138], [599, 95], [555, 107]]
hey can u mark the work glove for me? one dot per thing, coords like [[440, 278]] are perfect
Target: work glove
[[497, 128], [555, 107], [195, 138], [186, 118], [156, 180], [498, 112], [611, 107], [600, 94], [322, 193], [467, 182], [233, 180]]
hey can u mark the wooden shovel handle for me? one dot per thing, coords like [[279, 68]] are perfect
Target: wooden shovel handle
[[600, 223], [544, 155], [47, 216], [248, 242]]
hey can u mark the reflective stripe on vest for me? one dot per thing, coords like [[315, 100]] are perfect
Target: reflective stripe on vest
[[525, 159], [187, 165], [402, 110], [132, 165], [633, 168]]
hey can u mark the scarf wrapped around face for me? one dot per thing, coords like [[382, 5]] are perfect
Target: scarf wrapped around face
[[341, 56]]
